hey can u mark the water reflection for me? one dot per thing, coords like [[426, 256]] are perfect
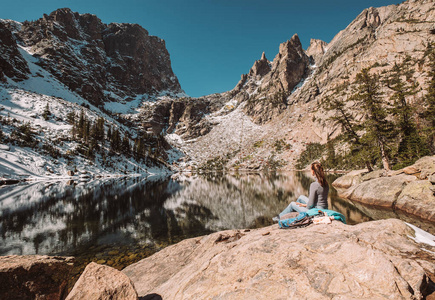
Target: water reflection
[[64, 217]]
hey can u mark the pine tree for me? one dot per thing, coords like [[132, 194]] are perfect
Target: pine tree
[[109, 133], [97, 130], [115, 142], [81, 124], [376, 125], [429, 113], [86, 131], [71, 118], [46, 113], [125, 146], [331, 161], [410, 146], [140, 149], [345, 117]]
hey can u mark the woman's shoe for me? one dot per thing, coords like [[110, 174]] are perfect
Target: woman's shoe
[[275, 219]]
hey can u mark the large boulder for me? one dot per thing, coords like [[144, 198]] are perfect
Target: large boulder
[[399, 191], [100, 282], [426, 165], [34, 277], [380, 191], [350, 179], [373, 260], [417, 198]]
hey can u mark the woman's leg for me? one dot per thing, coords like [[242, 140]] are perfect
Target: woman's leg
[[294, 207], [298, 208], [287, 210], [303, 199]]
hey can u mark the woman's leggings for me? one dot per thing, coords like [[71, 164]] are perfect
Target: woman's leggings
[[294, 207]]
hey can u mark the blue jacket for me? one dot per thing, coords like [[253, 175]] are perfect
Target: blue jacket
[[336, 215]]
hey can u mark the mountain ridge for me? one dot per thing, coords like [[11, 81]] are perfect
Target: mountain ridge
[[378, 38], [271, 114], [101, 62]]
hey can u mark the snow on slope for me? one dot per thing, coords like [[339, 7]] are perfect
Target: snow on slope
[[232, 129], [25, 101]]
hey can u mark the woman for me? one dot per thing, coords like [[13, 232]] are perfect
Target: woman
[[318, 197]]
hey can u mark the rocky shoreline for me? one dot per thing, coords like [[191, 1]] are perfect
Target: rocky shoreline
[[410, 190], [372, 260]]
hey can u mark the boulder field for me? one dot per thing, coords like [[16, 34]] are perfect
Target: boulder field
[[410, 190]]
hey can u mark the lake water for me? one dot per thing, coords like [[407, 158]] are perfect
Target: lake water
[[119, 221]]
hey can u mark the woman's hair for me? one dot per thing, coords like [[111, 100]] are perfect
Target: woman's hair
[[318, 172]]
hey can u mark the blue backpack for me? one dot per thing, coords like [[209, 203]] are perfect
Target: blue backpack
[[302, 220]]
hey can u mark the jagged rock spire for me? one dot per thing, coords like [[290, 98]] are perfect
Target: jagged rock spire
[[261, 67], [263, 56]]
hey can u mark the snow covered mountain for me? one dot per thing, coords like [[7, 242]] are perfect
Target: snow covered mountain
[[61, 76], [100, 62]]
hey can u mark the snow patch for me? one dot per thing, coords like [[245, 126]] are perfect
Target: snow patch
[[422, 236]]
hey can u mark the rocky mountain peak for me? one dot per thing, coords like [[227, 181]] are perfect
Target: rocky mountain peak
[[100, 62], [316, 49], [263, 56], [289, 66], [261, 67], [291, 48]]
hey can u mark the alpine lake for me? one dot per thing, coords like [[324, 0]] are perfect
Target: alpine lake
[[117, 222]]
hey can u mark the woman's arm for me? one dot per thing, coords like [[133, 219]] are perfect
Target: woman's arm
[[312, 197]]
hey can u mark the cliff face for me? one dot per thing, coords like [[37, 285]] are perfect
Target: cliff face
[[100, 62], [263, 92], [268, 84], [12, 63], [283, 96]]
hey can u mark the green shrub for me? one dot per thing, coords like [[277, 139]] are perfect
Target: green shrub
[[312, 152]]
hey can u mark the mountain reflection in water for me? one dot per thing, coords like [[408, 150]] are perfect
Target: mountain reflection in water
[[62, 217]]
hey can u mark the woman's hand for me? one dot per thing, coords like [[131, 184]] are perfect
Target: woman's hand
[[301, 204]]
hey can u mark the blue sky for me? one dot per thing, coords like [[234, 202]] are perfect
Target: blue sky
[[212, 42]]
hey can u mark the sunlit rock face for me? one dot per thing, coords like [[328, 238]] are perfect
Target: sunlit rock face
[[367, 261], [100, 62], [102, 282], [283, 96]]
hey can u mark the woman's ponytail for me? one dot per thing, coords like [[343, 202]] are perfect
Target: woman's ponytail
[[318, 172]]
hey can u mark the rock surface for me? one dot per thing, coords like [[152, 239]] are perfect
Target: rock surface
[[350, 179], [417, 198], [374, 260], [316, 49], [34, 277], [382, 191], [408, 193], [101, 62], [12, 64], [285, 101], [102, 282]]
